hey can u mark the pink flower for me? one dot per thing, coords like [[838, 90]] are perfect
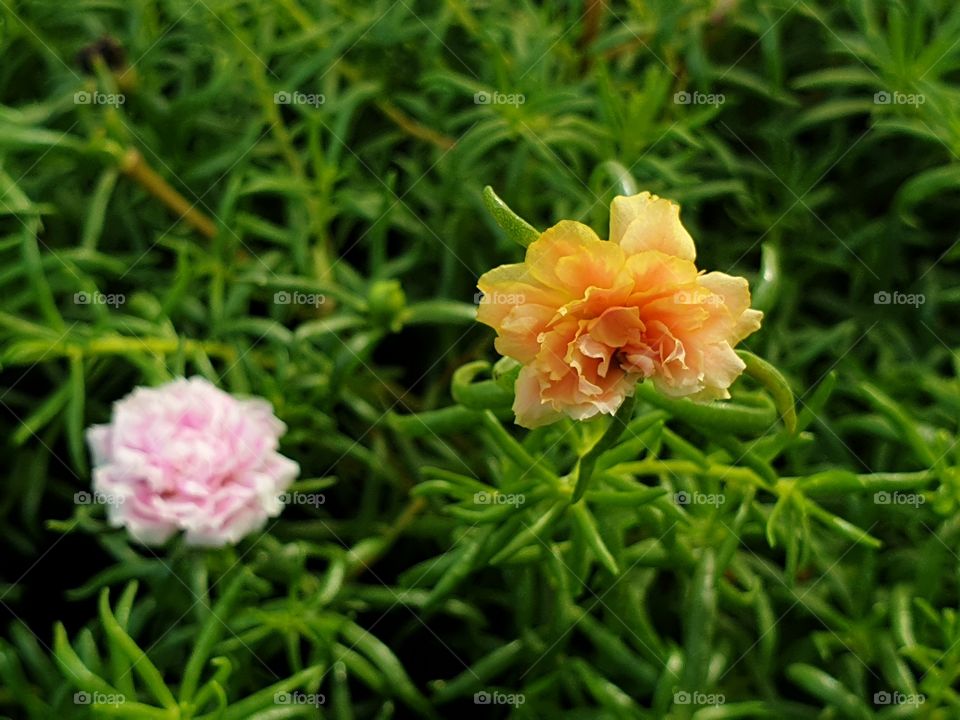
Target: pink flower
[[589, 318], [189, 456]]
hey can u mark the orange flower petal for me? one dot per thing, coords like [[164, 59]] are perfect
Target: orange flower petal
[[646, 222], [589, 318]]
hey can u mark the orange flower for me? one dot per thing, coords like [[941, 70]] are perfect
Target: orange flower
[[588, 319]]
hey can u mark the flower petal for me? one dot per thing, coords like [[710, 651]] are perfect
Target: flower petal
[[590, 318], [646, 222], [735, 292], [569, 257], [528, 406]]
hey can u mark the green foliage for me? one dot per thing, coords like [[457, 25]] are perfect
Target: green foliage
[[790, 554]]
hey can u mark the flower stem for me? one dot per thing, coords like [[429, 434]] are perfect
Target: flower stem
[[134, 166], [589, 460], [771, 379]]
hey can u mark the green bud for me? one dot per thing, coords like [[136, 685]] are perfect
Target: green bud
[[387, 303]]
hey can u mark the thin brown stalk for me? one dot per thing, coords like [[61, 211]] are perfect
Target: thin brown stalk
[[134, 166]]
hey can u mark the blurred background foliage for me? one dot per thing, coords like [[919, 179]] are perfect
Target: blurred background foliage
[[823, 166]]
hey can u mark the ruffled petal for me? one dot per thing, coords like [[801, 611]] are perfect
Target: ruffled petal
[[647, 222]]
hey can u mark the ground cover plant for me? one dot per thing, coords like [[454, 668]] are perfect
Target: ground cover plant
[[295, 201]]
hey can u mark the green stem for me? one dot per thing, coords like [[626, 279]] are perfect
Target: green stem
[[774, 382], [483, 395], [726, 417], [514, 450], [589, 461]]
